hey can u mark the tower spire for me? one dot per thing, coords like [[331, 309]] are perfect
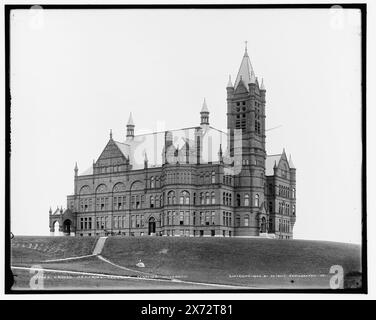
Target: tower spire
[[130, 127], [204, 114], [246, 72]]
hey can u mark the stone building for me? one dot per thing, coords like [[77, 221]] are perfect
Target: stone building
[[196, 181]]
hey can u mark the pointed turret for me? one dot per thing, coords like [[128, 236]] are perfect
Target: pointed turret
[[262, 84], [229, 84], [220, 154], [145, 160], [204, 114], [110, 134], [246, 73], [130, 127], [76, 170]]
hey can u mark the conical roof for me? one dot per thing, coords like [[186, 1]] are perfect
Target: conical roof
[[246, 73], [204, 108], [130, 120]]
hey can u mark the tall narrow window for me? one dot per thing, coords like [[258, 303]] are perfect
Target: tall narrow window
[[213, 197], [152, 182], [246, 199], [213, 217], [257, 200], [246, 220], [151, 202], [213, 177], [238, 202]]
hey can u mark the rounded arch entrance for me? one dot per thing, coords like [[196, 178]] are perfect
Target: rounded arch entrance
[[151, 226], [263, 225], [67, 226], [56, 228]]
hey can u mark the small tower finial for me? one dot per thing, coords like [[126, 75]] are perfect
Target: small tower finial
[[204, 114], [262, 84], [111, 134], [76, 169], [220, 154], [246, 47], [130, 127], [229, 84]]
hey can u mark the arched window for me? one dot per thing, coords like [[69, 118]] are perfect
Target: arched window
[[246, 220], [238, 202], [257, 200], [202, 200], [224, 198], [227, 199], [171, 197], [293, 193], [207, 196], [213, 177], [293, 209], [213, 198], [184, 197], [152, 184], [151, 202], [230, 199], [194, 198], [246, 199]]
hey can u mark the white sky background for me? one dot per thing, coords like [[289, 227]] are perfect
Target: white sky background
[[80, 73]]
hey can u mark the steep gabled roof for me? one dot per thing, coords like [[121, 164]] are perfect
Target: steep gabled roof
[[124, 148]]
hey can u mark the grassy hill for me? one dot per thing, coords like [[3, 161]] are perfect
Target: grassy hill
[[249, 262], [241, 261], [30, 249]]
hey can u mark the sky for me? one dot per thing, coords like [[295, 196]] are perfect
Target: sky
[[76, 74]]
